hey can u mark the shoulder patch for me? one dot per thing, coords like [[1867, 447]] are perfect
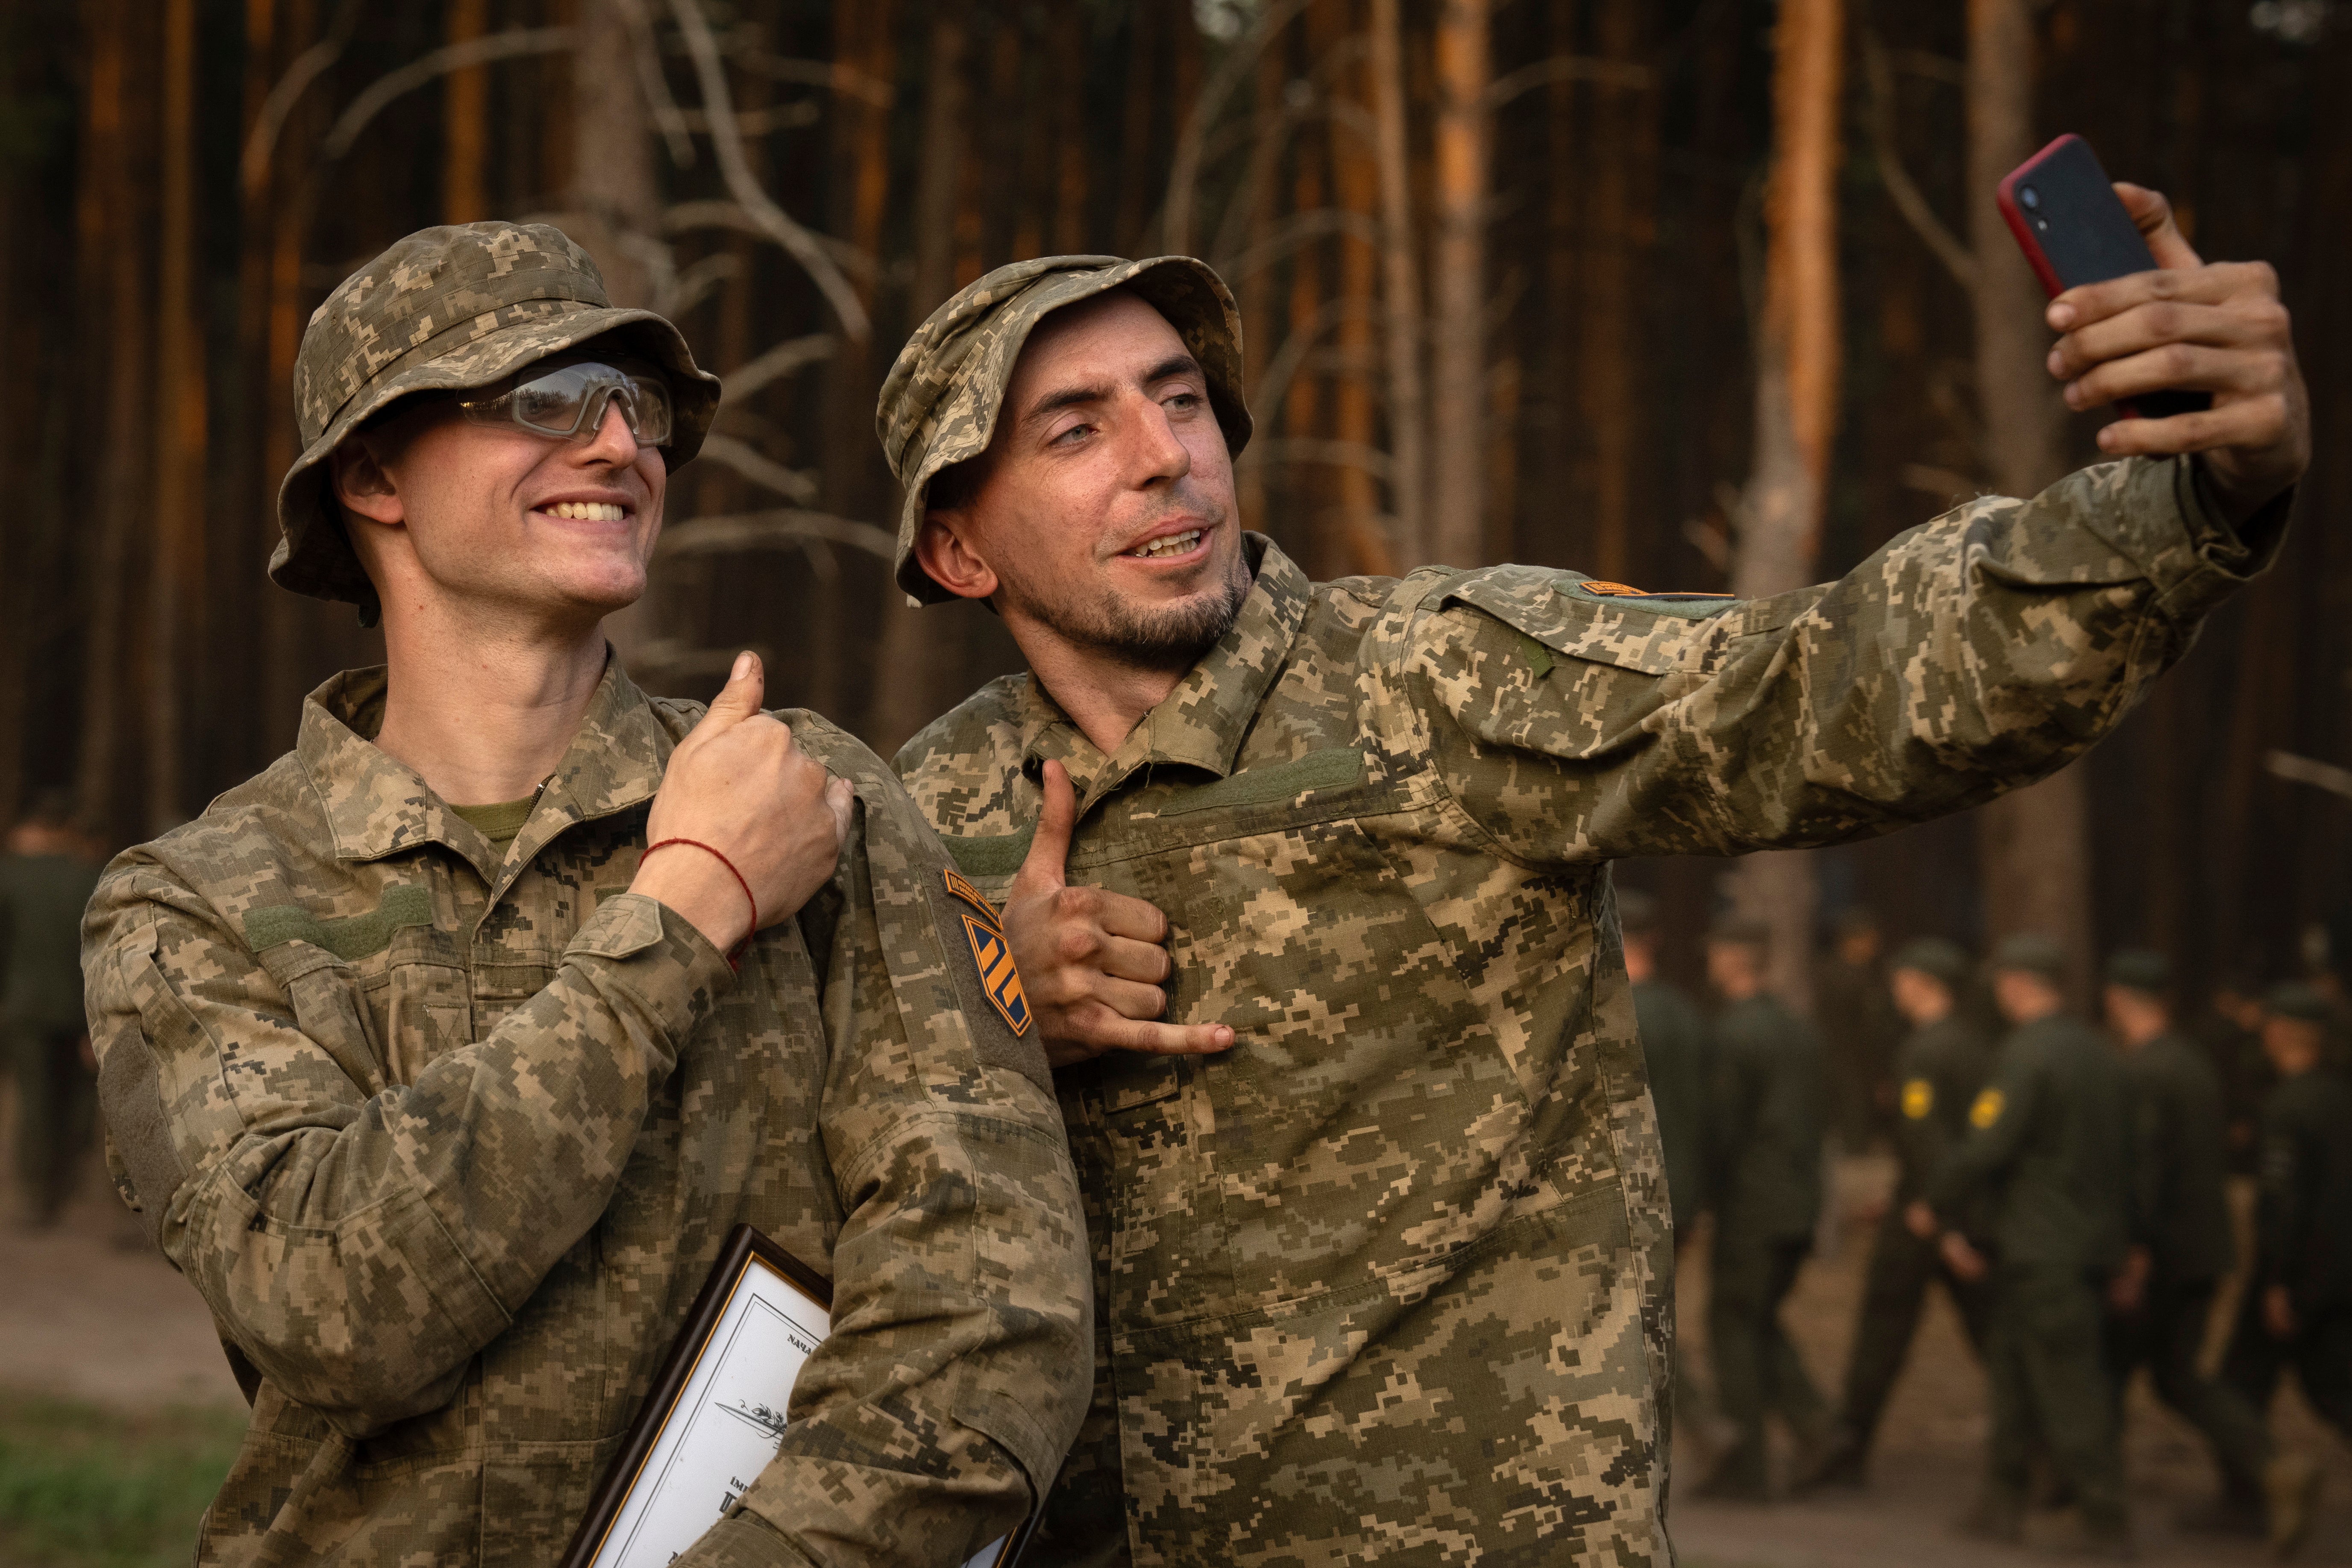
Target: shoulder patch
[[1987, 1110], [991, 955], [961, 888], [1918, 1098]]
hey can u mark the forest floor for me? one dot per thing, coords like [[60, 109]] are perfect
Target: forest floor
[[102, 1343]]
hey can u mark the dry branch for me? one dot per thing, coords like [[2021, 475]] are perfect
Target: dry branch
[[1568, 67], [253, 167], [769, 529], [1899, 184], [728, 452], [1185, 169], [513, 44], [686, 216], [779, 362], [797, 242]]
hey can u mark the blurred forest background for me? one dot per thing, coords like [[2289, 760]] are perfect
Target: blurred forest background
[[1694, 294]]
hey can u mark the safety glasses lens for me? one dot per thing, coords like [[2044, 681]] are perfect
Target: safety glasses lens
[[570, 401]]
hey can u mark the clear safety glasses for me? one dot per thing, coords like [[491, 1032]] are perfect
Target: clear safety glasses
[[570, 401]]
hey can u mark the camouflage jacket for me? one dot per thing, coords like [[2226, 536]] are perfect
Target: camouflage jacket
[[449, 1140], [1393, 1278]]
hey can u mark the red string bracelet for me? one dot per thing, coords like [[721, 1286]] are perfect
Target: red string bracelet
[[734, 958]]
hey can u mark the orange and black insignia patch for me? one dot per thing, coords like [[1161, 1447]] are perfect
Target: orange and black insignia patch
[[1612, 590], [1002, 982], [971, 895]]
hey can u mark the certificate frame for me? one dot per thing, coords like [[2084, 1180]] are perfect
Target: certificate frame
[[746, 1246], [747, 1250]]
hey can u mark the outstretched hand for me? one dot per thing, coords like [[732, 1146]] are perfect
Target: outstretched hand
[[739, 785], [1092, 962], [2195, 326]]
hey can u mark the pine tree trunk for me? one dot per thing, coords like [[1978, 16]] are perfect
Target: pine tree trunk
[[617, 201], [2033, 846], [176, 586], [285, 616], [1795, 408], [1356, 180], [1400, 302], [1625, 130], [1457, 504], [113, 217], [465, 136], [908, 676]]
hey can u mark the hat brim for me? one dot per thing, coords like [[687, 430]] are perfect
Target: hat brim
[[312, 555]]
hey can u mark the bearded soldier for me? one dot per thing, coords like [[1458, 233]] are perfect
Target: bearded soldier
[[443, 1057], [1309, 883]]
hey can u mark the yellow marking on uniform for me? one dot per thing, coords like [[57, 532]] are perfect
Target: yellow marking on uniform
[[1000, 978], [1987, 1110], [1612, 590], [1918, 1098], [958, 888]]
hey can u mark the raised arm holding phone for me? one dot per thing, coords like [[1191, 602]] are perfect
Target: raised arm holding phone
[[1309, 881]]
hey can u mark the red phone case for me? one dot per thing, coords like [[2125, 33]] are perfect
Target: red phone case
[[2005, 198]]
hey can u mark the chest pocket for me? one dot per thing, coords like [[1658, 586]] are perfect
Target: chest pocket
[[420, 1002], [1301, 1149]]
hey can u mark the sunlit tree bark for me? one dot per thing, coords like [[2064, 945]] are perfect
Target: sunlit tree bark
[[1458, 508], [2034, 847], [1796, 407]]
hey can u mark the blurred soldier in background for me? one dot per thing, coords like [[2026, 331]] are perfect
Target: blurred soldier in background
[[1674, 1044], [45, 878], [2049, 1149], [1764, 1135], [1859, 1030], [2298, 1305], [1938, 1070], [2164, 1299], [2232, 1034]]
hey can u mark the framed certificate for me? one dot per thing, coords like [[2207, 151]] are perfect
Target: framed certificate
[[716, 1413]]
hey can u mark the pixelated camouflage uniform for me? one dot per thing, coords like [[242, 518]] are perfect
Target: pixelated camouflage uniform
[[1392, 1276], [448, 1135], [448, 1140]]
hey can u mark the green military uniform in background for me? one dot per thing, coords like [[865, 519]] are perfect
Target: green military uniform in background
[[1859, 1032], [1675, 1049], [2303, 1235], [2048, 1154], [2181, 1160], [1765, 1126], [1391, 1278], [1937, 1072], [41, 1022]]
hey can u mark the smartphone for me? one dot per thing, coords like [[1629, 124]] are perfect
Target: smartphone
[[2072, 228]]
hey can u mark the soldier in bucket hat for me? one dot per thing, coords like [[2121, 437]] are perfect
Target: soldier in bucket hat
[[1310, 884], [444, 1056]]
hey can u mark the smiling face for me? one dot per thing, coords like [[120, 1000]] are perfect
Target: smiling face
[[1102, 512], [442, 510]]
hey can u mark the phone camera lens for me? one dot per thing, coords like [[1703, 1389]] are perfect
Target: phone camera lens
[[2028, 197]]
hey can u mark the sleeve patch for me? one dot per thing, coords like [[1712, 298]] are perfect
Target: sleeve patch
[[961, 888], [1918, 1098], [1987, 1110], [998, 979]]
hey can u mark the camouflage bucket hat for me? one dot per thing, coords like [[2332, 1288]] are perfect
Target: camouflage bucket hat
[[939, 405], [444, 309]]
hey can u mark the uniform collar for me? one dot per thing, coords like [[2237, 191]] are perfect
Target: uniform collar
[[377, 806], [1200, 724]]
